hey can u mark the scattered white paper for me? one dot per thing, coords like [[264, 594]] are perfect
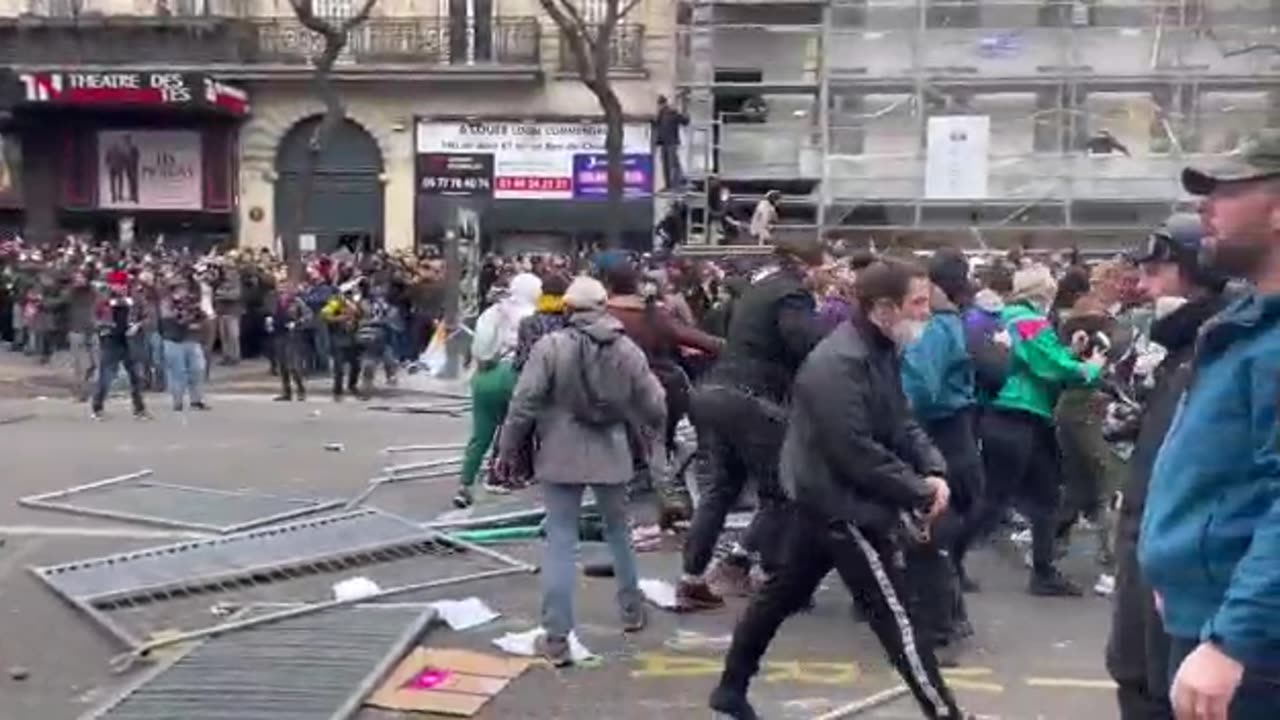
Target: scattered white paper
[[525, 644], [355, 588], [465, 614], [660, 593]]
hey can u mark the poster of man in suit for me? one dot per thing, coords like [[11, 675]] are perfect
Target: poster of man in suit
[[10, 171], [149, 170]]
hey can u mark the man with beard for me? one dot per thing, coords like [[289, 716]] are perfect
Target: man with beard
[[862, 476], [1186, 296], [739, 412], [1210, 536]]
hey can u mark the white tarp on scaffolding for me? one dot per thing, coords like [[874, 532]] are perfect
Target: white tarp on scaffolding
[[956, 166]]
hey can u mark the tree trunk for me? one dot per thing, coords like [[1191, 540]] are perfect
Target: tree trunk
[[613, 123]]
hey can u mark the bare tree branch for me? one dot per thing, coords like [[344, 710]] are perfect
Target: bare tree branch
[[335, 38], [359, 18], [573, 31], [591, 46], [626, 9]]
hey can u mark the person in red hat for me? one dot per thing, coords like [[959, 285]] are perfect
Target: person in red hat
[[118, 321]]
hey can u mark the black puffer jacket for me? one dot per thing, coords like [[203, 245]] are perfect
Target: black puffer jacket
[[853, 450], [773, 328], [1176, 333]]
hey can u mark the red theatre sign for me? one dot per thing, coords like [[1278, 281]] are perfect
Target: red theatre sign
[[133, 89]]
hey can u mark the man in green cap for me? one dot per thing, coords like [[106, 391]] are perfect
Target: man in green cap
[[1210, 537]]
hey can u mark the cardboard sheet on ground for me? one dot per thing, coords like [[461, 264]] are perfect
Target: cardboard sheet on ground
[[448, 682]]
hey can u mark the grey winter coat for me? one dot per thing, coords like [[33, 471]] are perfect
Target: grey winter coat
[[570, 451]]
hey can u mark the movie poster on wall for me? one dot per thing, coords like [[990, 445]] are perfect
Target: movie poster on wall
[[150, 170]]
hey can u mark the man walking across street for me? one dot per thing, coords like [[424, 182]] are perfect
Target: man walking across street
[[1210, 537], [861, 475]]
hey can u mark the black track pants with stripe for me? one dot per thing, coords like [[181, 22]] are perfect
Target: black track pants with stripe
[[871, 567]]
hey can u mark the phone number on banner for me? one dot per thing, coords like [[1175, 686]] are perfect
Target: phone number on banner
[[533, 184]]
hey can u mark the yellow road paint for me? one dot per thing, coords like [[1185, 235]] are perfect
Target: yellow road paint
[[658, 665], [1074, 683], [810, 672], [974, 686], [814, 673]]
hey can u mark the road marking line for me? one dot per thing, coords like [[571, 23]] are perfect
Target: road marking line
[[1078, 683], [974, 685]]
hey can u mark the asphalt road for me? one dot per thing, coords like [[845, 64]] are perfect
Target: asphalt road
[[1033, 658]]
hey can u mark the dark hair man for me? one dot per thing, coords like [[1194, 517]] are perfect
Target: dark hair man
[[859, 471], [1173, 276], [739, 412], [1210, 537]]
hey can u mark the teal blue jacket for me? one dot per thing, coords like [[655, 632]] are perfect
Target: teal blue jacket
[[1210, 538], [937, 371]]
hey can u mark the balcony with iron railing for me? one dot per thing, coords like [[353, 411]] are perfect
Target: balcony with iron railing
[[626, 51], [263, 44]]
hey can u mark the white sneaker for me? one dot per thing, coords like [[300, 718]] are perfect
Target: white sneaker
[[1106, 585]]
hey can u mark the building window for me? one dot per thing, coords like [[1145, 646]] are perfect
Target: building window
[[55, 8], [952, 14]]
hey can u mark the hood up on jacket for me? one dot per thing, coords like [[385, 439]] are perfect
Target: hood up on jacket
[[498, 328], [602, 327]]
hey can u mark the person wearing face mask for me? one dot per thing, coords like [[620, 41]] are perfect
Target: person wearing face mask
[[938, 379], [1209, 543], [863, 479], [1186, 295], [1019, 445]]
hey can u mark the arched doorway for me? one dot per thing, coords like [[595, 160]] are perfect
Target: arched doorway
[[346, 201]]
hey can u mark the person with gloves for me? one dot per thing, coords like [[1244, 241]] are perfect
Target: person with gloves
[[493, 348]]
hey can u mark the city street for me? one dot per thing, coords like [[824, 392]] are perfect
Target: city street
[[1032, 659]]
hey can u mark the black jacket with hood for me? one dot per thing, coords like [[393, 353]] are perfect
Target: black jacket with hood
[[853, 450], [1176, 333]]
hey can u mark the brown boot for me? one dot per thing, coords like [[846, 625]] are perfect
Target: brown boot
[[692, 596], [731, 578]]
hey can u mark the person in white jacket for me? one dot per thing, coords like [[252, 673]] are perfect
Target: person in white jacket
[[493, 349]]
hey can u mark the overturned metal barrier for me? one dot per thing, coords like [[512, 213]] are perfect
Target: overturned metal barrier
[[312, 667], [134, 595], [138, 498]]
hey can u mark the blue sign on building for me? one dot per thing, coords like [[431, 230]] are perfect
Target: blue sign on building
[[591, 175]]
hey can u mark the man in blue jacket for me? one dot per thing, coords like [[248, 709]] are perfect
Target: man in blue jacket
[[1210, 538], [938, 380]]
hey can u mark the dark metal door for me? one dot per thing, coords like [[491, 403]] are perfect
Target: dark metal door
[[346, 193]]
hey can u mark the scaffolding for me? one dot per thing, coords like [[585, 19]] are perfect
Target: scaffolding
[[831, 102]]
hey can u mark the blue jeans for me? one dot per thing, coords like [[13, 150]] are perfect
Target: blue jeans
[[184, 367], [559, 573], [155, 357], [1258, 697]]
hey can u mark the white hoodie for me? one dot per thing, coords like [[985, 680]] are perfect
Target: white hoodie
[[498, 328]]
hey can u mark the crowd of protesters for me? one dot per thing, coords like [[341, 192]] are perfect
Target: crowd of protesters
[[163, 315], [890, 414]]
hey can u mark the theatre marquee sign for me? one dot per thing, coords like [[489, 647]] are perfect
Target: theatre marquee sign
[[156, 89]]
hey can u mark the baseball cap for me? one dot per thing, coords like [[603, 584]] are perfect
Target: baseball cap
[[1178, 239], [1256, 157]]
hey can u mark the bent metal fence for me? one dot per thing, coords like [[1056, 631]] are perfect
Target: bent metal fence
[[157, 596], [314, 667]]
